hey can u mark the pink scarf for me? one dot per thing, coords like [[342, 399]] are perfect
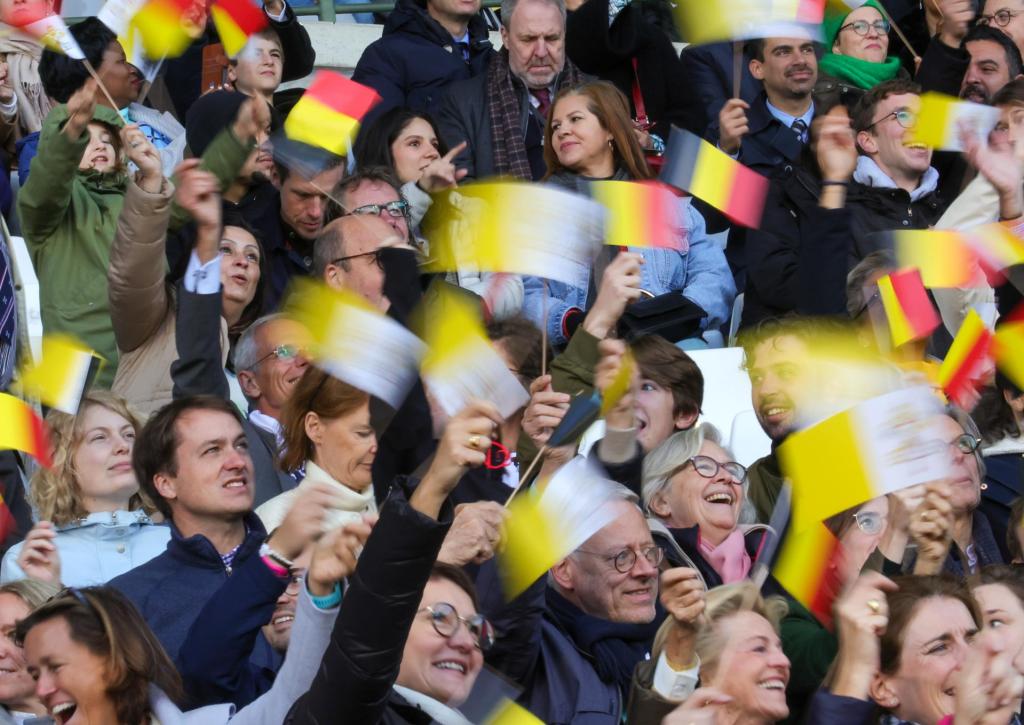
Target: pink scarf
[[730, 558]]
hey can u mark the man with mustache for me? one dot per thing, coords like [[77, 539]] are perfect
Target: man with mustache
[[501, 113], [994, 61]]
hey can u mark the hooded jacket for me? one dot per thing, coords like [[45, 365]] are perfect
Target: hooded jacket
[[416, 58], [68, 218]]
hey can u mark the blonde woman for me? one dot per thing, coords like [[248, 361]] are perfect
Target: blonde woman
[[94, 523], [19, 703]]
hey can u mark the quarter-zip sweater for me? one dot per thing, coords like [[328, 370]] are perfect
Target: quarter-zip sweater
[[171, 589]]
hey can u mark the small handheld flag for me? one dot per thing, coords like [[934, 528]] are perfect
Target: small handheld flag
[[695, 166], [23, 430], [163, 27], [940, 118], [911, 315], [235, 21], [329, 113], [54, 33], [62, 376], [966, 359], [638, 214]]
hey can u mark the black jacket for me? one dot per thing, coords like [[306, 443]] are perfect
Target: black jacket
[[1004, 483], [361, 663], [877, 210], [797, 261], [608, 53], [416, 58], [708, 70]]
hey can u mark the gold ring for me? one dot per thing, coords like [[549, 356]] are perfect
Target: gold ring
[[874, 605], [474, 441]]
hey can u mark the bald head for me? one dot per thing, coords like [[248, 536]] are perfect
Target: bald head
[[344, 255]]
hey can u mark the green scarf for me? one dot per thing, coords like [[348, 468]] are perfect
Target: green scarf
[[864, 74]]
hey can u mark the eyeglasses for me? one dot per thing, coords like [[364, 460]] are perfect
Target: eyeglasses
[[965, 443], [626, 559], [1001, 18], [708, 468], [395, 209], [446, 621], [375, 254], [281, 352], [295, 583], [861, 27], [904, 117], [875, 297], [870, 522]]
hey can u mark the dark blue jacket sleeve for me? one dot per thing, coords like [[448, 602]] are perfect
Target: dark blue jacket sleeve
[[199, 369], [214, 660], [838, 710]]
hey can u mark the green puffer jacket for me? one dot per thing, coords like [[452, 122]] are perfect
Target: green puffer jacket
[[68, 218]]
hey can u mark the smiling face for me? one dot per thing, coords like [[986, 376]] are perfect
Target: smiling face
[[987, 72], [751, 668], [935, 642], [1002, 610], [377, 192], [120, 77], [239, 265], [656, 416], [345, 446], [888, 144], [271, 382], [690, 499], [414, 149], [100, 153], [443, 668], [789, 69], [775, 370], [69, 678], [214, 477], [103, 459], [581, 143], [17, 688], [589, 579], [873, 47], [535, 38]]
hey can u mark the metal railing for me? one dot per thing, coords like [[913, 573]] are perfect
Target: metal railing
[[328, 11]]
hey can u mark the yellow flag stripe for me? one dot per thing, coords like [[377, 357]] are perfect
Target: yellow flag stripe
[[899, 326], [316, 124]]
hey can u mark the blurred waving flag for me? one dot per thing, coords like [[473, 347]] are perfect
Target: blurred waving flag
[[23, 430], [877, 447], [515, 227], [639, 214], [329, 113], [550, 520], [236, 20], [910, 314], [164, 27], [355, 342], [62, 376], [806, 568], [942, 256], [53, 32], [718, 20], [940, 118], [694, 165], [1008, 349], [966, 361], [461, 364]]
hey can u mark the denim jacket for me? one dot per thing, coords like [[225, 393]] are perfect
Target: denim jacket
[[98, 548], [701, 274]]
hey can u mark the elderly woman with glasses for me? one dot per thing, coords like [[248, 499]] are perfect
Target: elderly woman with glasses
[[695, 490]]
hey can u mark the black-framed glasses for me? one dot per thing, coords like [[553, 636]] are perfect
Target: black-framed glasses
[[295, 583], [904, 117], [965, 443], [397, 208], [281, 352], [375, 258], [870, 522], [861, 27], [446, 622], [708, 467], [1001, 17], [626, 559]]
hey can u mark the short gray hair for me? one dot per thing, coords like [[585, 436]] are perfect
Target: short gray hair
[[509, 6], [328, 246], [679, 447], [878, 261], [246, 352]]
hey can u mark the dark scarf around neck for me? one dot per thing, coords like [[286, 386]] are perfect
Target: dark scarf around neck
[[614, 648]]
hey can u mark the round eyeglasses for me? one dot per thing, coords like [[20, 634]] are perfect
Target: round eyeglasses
[[966, 443], [626, 559], [446, 622], [708, 467], [281, 352], [1001, 18], [904, 117], [861, 27]]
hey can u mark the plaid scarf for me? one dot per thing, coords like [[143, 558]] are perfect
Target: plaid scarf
[[504, 103]]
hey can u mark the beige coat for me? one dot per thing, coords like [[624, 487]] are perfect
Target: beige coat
[[142, 306]]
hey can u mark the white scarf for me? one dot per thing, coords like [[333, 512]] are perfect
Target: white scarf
[[869, 173], [440, 712]]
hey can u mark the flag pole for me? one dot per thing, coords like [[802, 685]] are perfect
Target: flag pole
[[92, 72], [522, 479], [737, 66], [900, 35], [543, 333]]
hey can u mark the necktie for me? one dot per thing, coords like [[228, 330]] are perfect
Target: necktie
[[800, 128], [463, 48], [8, 319], [543, 96]]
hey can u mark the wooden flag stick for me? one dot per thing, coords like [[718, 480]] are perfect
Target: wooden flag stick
[[543, 335], [737, 67], [149, 84], [525, 476], [900, 35], [92, 72]]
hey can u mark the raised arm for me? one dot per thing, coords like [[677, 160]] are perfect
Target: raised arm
[[136, 283], [299, 55]]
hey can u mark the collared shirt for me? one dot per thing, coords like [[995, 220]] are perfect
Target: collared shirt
[[788, 120], [463, 45]]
